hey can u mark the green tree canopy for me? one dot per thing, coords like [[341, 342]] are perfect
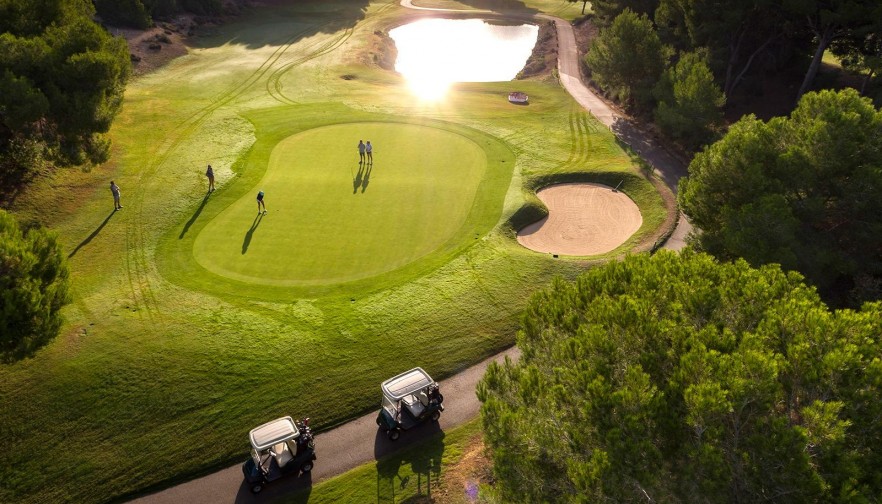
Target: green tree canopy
[[33, 288], [733, 32], [627, 59], [689, 101], [606, 11], [803, 191], [62, 78], [673, 378], [829, 20]]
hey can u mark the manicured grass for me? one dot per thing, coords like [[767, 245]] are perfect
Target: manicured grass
[[161, 359], [432, 188], [335, 219]]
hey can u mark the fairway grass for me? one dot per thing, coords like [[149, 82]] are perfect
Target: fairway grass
[[166, 359]]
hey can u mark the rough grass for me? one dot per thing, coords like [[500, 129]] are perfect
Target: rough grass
[[158, 359]]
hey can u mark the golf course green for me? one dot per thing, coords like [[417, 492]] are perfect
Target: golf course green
[[332, 218], [193, 319]]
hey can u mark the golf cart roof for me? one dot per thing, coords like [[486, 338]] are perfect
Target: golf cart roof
[[406, 383], [273, 432]]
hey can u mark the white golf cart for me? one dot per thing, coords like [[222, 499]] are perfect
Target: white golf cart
[[409, 399], [278, 448]]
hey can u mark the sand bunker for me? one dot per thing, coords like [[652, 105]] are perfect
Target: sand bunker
[[583, 219]]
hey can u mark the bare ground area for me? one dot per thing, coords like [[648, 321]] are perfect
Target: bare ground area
[[543, 60], [155, 47], [462, 480], [583, 219]]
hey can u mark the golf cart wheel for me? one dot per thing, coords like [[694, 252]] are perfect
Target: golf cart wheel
[[440, 398], [436, 415], [394, 434], [256, 488], [307, 466]]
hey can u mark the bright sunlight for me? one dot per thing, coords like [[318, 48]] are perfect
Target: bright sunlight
[[435, 53]]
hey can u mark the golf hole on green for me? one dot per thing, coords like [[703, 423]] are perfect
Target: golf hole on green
[[332, 219]]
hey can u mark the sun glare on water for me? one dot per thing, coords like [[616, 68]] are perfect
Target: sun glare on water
[[435, 53]]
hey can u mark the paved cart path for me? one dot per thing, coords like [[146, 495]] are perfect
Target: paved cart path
[[338, 450], [360, 441]]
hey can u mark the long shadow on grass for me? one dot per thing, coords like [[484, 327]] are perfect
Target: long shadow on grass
[[283, 24], [422, 448], [194, 217], [91, 236], [250, 232], [356, 180], [367, 177], [501, 6]]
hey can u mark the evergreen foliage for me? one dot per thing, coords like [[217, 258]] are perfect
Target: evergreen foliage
[[605, 11], [627, 59], [62, 79], [33, 288], [689, 101], [675, 378], [803, 191]]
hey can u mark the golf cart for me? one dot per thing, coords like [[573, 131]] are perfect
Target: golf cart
[[278, 448], [409, 399]]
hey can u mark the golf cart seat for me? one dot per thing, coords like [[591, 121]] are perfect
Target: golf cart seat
[[415, 405], [282, 454]]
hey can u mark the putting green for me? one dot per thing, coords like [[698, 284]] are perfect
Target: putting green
[[333, 220]]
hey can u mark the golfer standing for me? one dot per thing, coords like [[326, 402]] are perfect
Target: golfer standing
[[260, 202], [370, 152], [361, 149], [114, 189], [210, 174]]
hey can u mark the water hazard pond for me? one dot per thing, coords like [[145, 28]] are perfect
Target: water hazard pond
[[434, 53]]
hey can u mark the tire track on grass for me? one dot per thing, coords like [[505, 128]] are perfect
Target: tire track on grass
[[137, 265], [274, 85]]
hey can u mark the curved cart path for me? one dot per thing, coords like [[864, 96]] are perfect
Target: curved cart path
[[359, 441]]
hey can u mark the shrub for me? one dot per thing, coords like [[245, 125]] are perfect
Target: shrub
[[33, 288]]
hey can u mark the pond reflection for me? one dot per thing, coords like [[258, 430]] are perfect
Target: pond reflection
[[434, 53]]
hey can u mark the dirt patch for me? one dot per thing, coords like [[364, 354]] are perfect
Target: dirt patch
[[544, 57], [462, 480], [381, 51], [583, 219], [155, 47]]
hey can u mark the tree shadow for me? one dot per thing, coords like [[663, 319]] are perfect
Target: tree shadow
[[250, 233], [306, 18], [194, 217], [422, 447], [501, 6], [367, 178], [91, 236], [356, 181], [649, 152]]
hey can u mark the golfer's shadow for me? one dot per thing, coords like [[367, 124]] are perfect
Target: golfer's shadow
[[91, 236], [194, 217], [250, 233], [367, 177], [363, 177]]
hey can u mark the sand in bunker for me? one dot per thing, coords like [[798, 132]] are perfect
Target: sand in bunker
[[583, 219]]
